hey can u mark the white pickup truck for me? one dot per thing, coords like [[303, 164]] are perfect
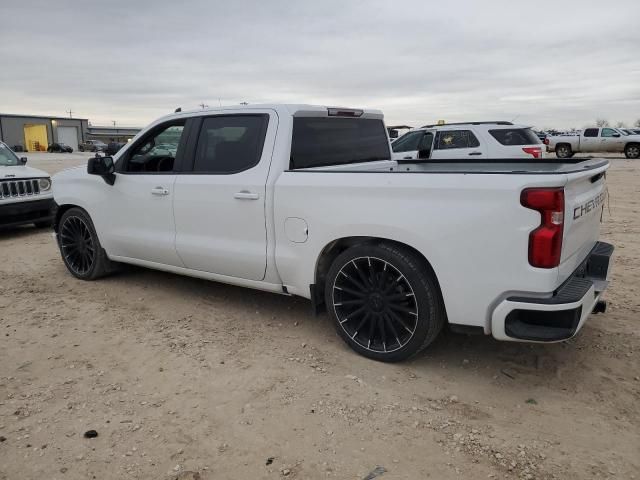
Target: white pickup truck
[[305, 200], [25, 192], [595, 140]]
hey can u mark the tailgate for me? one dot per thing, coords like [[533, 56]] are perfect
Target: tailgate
[[585, 195]]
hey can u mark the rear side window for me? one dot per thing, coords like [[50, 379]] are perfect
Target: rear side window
[[515, 136], [321, 141], [456, 139], [591, 132], [230, 143]]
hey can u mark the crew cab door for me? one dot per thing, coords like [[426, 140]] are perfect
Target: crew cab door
[[611, 140], [219, 204], [137, 222], [590, 140], [457, 144]]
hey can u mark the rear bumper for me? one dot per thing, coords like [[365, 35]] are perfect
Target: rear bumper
[[561, 314], [32, 211]]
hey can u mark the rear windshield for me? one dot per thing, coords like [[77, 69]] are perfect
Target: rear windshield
[[321, 141], [515, 136]]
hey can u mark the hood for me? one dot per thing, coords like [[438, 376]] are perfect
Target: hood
[[21, 171]]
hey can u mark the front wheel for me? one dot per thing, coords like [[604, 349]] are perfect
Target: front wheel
[[79, 246], [632, 151], [384, 301]]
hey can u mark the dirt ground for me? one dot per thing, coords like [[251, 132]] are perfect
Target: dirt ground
[[179, 375]]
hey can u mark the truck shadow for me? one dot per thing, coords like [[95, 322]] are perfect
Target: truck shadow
[[21, 231], [510, 364]]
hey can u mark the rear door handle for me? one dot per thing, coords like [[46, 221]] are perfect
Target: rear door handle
[[475, 153], [160, 191], [244, 195]]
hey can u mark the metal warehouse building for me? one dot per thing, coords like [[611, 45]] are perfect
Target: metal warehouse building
[[34, 133]]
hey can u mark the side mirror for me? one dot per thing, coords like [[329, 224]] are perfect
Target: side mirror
[[104, 167], [617, 135], [23, 160], [424, 154]]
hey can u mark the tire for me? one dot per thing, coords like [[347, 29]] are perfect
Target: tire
[[44, 224], [80, 247], [632, 150], [81, 149], [385, 304], [564, 151]]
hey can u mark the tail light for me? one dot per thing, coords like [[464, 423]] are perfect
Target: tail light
[[535, 151], [545, 242]]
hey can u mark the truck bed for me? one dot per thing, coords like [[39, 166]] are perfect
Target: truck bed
[[465, 166]]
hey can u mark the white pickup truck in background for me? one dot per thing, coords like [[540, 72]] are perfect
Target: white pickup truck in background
[[306, 200], [595, 140]]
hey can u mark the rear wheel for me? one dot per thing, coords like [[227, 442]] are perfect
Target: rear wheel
[[384, 301], [632, 150], [80, 247], [564, 151]]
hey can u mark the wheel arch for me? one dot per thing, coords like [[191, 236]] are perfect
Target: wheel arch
[[334, 248], [61, 210]]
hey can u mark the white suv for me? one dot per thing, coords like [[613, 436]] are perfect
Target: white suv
[[25, 192], [468, 141]]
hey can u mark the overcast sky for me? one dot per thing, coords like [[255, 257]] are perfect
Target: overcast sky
[[545, 63]]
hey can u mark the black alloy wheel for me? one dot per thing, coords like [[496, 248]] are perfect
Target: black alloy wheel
[[77, 245], [80, 247], [384, 302]]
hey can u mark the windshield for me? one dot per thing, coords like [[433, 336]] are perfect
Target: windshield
[[7, 157]]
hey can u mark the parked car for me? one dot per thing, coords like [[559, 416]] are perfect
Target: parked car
[[58, 147], [113, 148], [306, 200], [595, 140], [92, 146], [480, 140], [25, 192]]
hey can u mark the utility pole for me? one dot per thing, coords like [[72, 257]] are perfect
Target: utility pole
[[70, 112], [114, 122], [203, 105]]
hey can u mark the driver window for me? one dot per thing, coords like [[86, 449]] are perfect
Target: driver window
[[608, 132], [157, 153], [407, 143]]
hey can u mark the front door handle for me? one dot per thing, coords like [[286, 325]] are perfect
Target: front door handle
[[475, 153], [244, 195], [160, 191]]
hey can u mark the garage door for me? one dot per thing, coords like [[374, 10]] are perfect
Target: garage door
[[68, 135]]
